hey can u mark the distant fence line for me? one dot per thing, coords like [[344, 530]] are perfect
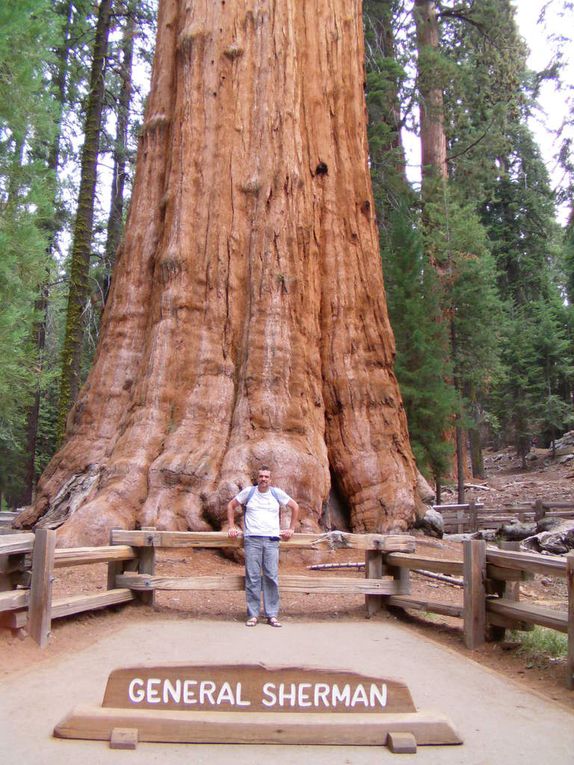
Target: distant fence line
[[472, 517], [491, 579]]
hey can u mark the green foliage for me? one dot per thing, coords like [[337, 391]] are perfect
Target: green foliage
[[541, 644], [485, 92], [423, 366], [538, 369], [26, 129], [460, 247]]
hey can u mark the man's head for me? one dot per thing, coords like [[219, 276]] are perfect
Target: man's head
[[263, 478]]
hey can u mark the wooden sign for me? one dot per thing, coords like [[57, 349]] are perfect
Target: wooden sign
[[256, 704], [254, 689]]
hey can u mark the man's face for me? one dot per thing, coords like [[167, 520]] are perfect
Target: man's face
[[263, 479]]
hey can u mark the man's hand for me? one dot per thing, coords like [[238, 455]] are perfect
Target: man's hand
[[233, 531], [287, 533]]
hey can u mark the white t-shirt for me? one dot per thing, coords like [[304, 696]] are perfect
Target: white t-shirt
[[262, 512]]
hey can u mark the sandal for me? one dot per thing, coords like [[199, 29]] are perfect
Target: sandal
[[272, 621], [251, 622]]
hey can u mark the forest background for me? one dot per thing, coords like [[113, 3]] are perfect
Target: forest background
[[478, 265]]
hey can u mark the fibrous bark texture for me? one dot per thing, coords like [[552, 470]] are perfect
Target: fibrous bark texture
[[433, 137], [246, 322]]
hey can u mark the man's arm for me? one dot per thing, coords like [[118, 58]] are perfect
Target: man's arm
[[288, 533], [233, 530]]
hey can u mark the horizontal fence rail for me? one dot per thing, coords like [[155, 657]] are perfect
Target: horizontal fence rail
[[491, 579], [34, 608], [333, 540], [471, 517]]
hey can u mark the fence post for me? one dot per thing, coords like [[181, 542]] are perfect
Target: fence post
[[147, 565], [504, 589], [40, 607], [373, 570], [474, 592], [539, 510], [570, 581], [460, 520], [473, 515], [116, 567]]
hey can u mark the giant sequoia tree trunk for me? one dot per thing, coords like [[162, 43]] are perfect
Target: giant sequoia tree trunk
[[246, 321]]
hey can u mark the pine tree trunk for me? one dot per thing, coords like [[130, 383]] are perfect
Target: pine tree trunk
[[246, 323], [434, 178], [115, 219], [476, 458], [82, 237]]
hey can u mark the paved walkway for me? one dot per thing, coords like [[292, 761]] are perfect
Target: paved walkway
[[498, 720]]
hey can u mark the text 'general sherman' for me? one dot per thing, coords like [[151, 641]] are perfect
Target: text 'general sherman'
[[255, 688], [189, 692]]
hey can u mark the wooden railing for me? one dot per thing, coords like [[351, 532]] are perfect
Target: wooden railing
[[491, 593], [376, 582], [131, 571], [6, 519], [471, 517], [490, 578], [27, 562]]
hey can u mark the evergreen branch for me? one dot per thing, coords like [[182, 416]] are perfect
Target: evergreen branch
[[471, 145], [460, 15]]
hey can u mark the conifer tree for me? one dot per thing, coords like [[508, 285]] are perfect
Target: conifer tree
[[26, 125], [412, 287]]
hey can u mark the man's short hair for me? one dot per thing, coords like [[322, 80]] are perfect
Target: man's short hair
[[262, 468]]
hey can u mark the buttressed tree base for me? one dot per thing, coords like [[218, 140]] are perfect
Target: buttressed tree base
[[247, 321]]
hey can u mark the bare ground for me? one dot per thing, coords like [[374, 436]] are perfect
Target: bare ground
[[506, 483]]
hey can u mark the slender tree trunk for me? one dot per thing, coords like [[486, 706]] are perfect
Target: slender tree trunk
[[246, 322], [474, 436], [82, 238], [458, 429], [433, 138], [435, 175], [115, 219]]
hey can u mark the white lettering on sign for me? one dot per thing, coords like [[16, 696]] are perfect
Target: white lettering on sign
[[189, 692], [171, 691], [343, 696], [206, 691], [136, 692], [323, 695], [154, 691]]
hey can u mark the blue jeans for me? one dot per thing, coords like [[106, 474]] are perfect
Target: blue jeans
[[261, 575]]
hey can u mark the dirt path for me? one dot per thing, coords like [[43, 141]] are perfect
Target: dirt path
[[498, 720]]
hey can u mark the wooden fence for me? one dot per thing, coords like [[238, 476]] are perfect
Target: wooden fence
[[491, 579], [471, 517], [27, 562], [6, 519], [491, 604]]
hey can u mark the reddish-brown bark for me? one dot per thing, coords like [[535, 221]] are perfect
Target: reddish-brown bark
[[246, 321], [433, 137]]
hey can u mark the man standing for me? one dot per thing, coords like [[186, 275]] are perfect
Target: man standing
[[261, 543]]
